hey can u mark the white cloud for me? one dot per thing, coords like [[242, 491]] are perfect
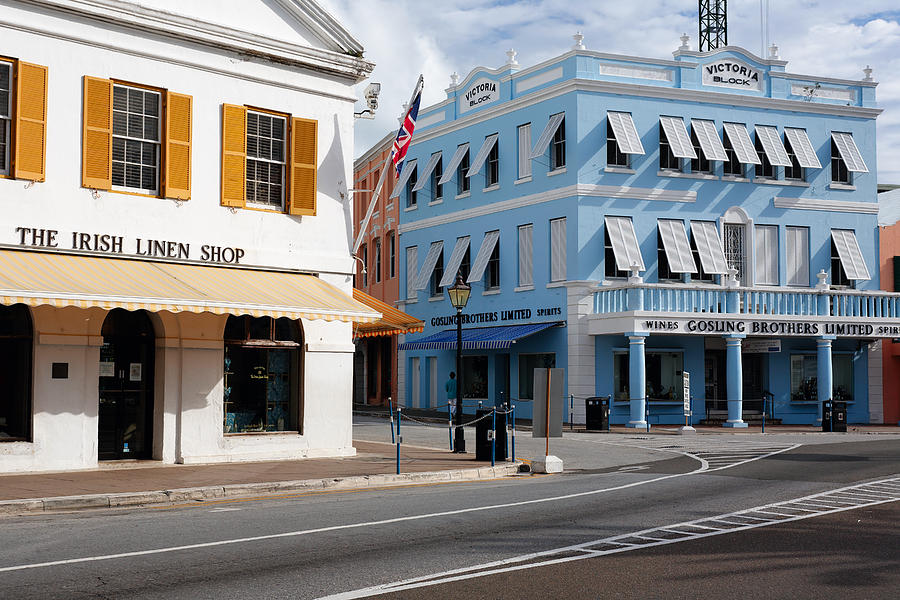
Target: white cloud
[[829, 38]]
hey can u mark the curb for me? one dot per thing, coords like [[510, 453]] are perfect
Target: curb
[[236, 490]]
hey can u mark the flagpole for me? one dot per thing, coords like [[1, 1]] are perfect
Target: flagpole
[[377, 191]]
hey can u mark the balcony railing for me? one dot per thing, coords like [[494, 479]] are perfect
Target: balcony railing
[[667, 298]]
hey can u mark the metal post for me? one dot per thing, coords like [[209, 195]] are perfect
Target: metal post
[[506, 438], [547, 431], [571, 412], [460, 440], [513, 453], [450, 424], [391, 413], [647, 413], [399, 440], [493, 435], [764, 414]]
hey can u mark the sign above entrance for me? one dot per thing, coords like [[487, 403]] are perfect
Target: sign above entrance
[[483, 91], [761, 346], [733, 74]]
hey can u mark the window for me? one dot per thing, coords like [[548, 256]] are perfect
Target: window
[[23, 120], [796, 254], [378, 260], [16, 335], [412, 196], [462, 182], [804, 377], [269, 160], [839, 171], [436, 275], [766, 254], [663, 376], [493, 269], [262, 375], [527, 364], [609, 258], [700, 164], [795, 171], [765, 169], [614, 156], [667, 159], [437, 190], [392, 255], [475, 377], [838, 274], [558, 148], [365, 265], [732, 166], [665, 272], [492, 169], [465, 265], [526, 255], [524, 132], [558, 249], [129, 152]]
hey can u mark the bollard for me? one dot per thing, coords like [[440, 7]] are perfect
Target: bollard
[[647, 413], [513, 453], [571, 412], [450, 424], [506, 441], [391, 413], [764, 414], [399, 440], [493, 434]]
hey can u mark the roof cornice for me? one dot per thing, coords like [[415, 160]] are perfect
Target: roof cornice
[[142, 19]]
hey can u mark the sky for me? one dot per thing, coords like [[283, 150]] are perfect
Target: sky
[[827, 38]]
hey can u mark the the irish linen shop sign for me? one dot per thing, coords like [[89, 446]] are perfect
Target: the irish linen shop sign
[[733, 74], [481, 92]]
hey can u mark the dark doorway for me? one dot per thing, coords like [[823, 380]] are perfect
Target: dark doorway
[[126, 386]]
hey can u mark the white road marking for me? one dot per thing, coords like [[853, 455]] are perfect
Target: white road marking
[[223, 509], [616, 544], [289, 534]]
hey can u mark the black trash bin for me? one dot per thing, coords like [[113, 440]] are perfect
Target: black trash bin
[[596, 413], [834, 416], [482, 440]]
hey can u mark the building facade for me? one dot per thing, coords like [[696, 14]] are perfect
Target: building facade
[[639, 220], [889, 349], [176, 274]]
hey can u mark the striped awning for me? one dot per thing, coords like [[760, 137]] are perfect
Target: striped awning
[[392, 321], [47, 278], [478, 338]]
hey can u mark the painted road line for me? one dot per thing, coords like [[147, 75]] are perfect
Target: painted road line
[[584, 550]]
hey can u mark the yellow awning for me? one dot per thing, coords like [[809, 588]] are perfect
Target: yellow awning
[[46, 278], [392, 321]]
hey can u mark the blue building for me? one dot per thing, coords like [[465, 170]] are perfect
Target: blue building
[[632, 220]]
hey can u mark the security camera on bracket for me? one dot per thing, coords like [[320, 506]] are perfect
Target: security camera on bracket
[[371, 95]]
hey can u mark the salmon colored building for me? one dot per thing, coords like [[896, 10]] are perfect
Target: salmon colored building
[[375, 360], [889, 253]]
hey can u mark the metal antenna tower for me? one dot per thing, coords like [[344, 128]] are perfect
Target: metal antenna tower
[[713, 24]]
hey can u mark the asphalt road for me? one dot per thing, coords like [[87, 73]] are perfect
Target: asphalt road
[[320, 544]]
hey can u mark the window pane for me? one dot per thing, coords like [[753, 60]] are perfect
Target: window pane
[[120, 98], [135, 101], [151, 104], [133, 151], [474, 376], [151, 128], [527, 364], [148, 178], [133, 176]]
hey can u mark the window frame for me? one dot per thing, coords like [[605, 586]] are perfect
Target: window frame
[[492, 269], [392, 254], [158, 143], [769, 278], [365, 265], [523, 138], [437, 189], [435, 289], [667, 159], [412, 195], [6, 127], [731, 167], [700, 275], [610, 269], [840, 174], [525, 268], [614, 157], [664, 273], [492, 166], [790, 173], [701, 164], [377, 260], [621, 376], [807, 387], [788, 253], [838, 274], [284, 164], [764, 170], [463, 185], [558, 148], [24, 338], [563, 232]]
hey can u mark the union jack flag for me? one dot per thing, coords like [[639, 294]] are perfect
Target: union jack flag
[[404, 135]]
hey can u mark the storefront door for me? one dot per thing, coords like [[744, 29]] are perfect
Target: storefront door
[[755, 374], [126, 386]]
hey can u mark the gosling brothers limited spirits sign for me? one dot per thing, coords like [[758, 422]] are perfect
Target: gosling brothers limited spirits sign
[[481, 92], [733, 74]]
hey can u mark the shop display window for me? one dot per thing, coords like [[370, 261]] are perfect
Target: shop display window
[[663, 375], [15, 373], [527, 364], [475, 376], [262, 375], [804, 377]]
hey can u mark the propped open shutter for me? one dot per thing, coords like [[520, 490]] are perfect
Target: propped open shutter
[[304, 140], [96, 138], [234, 155], [31, 122], [179, 123]]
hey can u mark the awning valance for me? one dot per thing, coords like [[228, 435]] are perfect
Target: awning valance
[[392, 321], [478, 338], [47, 278]]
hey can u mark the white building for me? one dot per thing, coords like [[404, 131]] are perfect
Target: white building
[[175, 272]]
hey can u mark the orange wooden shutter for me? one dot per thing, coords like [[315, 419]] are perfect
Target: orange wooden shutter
[[30, 158], [234, 155], [304, 139], [178, 146], [96, 140]]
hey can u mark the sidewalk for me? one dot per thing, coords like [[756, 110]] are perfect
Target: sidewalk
[[149, 482]]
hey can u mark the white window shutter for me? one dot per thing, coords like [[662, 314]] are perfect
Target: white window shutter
[[412, 267], [766, 254], [797, 255], [526, 255], [524, 151], [558, 249]]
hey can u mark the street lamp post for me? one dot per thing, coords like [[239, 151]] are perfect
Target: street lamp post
[[459, 296]]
